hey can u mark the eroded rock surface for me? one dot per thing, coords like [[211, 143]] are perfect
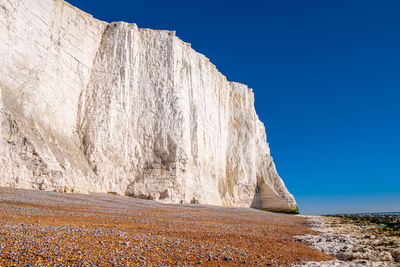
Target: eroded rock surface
[[352, 244], [108, 107]]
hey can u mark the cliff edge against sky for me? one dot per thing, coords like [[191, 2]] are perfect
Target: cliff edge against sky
[[108, 107]]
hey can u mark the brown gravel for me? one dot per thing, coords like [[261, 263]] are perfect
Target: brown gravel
[[48, 228]]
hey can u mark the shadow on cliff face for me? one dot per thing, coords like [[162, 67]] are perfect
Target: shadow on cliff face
[[256, 203]]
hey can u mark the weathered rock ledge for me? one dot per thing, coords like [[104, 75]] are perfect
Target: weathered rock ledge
[[108, 107]]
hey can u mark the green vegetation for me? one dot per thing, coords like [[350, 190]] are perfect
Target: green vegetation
[[390, 224], [295, 210]]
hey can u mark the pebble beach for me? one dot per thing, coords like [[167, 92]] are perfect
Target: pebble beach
[[41, 228]]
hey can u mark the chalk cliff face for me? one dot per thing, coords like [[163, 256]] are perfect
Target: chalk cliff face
[[91, 106]]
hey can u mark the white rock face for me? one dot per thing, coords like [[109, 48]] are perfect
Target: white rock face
[[87, 105]]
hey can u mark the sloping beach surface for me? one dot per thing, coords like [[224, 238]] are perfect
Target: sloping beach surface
[[47, 228], [353, 243]]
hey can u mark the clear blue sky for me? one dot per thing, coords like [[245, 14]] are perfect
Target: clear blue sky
[[326, 76]]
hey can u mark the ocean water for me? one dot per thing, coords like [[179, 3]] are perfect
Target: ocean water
[[389, 214], [377, 219]]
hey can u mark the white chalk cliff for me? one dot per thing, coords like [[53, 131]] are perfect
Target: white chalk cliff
[[108, 107]]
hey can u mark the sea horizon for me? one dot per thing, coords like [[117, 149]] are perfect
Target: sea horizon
[[359, 213]]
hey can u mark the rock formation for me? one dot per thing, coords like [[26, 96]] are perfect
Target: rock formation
[[108, 107]]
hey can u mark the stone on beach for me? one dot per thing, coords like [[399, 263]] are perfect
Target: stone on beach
[[354, 245]]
